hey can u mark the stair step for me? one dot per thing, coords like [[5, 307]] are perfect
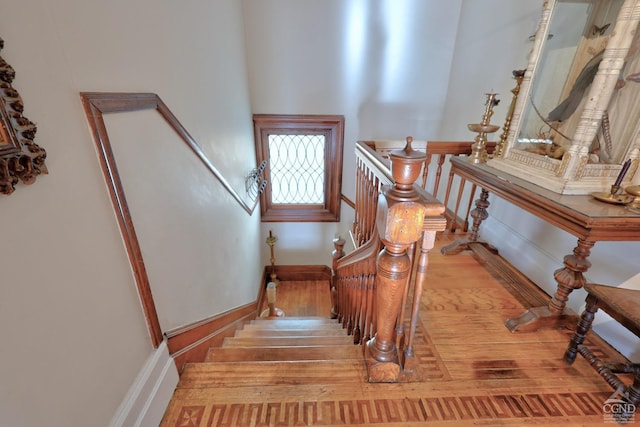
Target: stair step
[[256, 374], [286, 341], [293, 323], [273, 354], [324, 332]]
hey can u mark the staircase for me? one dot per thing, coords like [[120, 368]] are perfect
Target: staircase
[[268, 357]]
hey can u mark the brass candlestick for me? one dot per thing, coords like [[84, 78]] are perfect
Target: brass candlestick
[[271, 241], [272, 310], [518, 75], [479, 148], [634, 205]]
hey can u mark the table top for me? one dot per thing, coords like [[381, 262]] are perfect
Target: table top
[[581, 215]]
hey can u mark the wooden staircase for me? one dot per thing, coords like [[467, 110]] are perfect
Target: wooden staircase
[[276, 352]]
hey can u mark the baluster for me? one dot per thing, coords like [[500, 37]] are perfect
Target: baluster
[[371, 205], [465, 228], [446, 201], [436, 185], [345, 307], [428, 241], [350, 304], [357, 332], [371, 278], [425, 171], [360, 182], [454, 222], [405, 293]]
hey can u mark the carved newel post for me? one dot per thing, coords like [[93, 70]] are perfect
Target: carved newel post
[[400, 219]]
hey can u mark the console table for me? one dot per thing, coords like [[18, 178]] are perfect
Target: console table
[[584, 217]]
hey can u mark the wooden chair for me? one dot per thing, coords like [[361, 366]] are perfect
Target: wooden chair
[[623, 305]]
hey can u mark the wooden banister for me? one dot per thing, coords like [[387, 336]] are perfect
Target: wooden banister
[[438, 154], [371, 285]]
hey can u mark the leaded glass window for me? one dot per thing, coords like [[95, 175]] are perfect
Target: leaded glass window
[[304, 166], [297, 169]]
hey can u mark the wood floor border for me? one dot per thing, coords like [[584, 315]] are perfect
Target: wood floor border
[[461, 409]]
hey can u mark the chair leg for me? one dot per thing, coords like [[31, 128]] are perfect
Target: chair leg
[[586, 319], [633, 392]]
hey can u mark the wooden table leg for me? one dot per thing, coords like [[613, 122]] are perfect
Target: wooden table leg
[[478, 214], [569, 278]]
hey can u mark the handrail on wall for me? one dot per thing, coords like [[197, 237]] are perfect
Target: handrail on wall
[[98, 103], [95, 105]]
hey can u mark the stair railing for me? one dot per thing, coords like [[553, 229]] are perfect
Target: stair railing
[[435, 167], [396, 214]]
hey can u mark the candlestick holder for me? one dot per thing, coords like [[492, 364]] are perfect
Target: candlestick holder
[[518, 75], [479, 148], [271, 242], [615, 190], [634, 205]]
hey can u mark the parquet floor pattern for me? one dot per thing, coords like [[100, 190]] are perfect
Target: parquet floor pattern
[[472, 371]]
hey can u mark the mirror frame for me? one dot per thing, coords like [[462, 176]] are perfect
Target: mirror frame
[[21, 159], [572, 174]]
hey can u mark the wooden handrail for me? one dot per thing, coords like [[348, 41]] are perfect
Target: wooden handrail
[[96, 104], [354, 288], [437, 155]]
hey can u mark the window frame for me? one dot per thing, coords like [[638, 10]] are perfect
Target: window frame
[[332, 127]]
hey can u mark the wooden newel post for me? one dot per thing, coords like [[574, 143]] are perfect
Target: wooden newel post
[[400, 219], [338, 252]]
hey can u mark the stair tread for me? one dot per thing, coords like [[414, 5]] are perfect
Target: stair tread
[[286, 341], [324, 332], [255, 374], [293, 322], [272, 354]]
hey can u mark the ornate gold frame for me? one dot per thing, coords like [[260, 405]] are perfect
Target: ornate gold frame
[[20, 158]]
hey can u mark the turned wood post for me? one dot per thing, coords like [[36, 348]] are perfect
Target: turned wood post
[[338, 252], [400, 219]]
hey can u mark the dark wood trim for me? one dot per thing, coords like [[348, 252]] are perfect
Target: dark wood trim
[[348, 201], [190, 343], [332, 127], [454, 148], [96, 104], [301, 272]]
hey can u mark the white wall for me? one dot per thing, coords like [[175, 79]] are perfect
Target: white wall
[[532, 245], [383, 64], [74, 335]]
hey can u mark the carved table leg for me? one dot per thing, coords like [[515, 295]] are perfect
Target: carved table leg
[[569, 278], [478, 214]]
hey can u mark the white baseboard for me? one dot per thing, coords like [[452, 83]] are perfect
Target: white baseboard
[[148, 397]]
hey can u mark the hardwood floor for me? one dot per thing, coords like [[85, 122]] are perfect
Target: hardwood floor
[[303, 298], [472, 371]]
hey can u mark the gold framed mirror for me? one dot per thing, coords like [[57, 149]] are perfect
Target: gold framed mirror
[[21, 159], [575, 122]]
